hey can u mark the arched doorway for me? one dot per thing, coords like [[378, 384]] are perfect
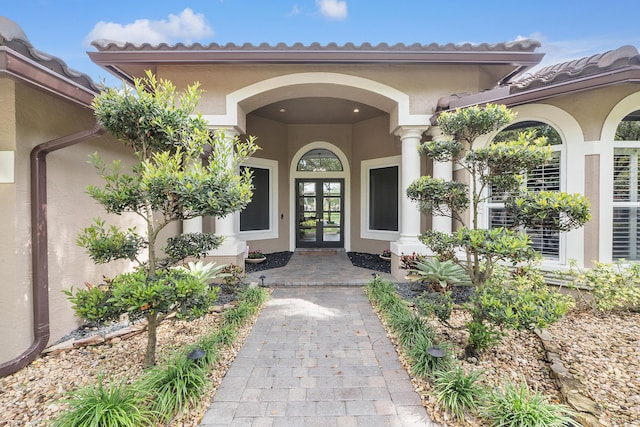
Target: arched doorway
[[320, 197]]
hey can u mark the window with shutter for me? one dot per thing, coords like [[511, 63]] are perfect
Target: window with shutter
[[626, 204], [544, 178]]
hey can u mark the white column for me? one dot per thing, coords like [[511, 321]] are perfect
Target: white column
[[410, 215], [443, 170], [227, 226], [193, 225]]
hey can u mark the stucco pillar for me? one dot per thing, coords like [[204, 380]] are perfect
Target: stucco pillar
[[408, 242], [232, 249]]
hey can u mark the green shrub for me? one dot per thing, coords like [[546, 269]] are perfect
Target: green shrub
[[93, 304], [226, 335], [236, 316], [409, 328], [439, 274], [172, 388], [481, 337], [114, 405], [422, 363], [520, 300], [614, 286], [233, 276], [379, 288], [516, 406], [435, 304], [458, 392], [256, 297]]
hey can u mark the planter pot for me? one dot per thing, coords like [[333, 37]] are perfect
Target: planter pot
[[254, 260], [386, 258]]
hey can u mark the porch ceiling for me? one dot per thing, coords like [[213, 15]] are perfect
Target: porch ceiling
[[317, 110]]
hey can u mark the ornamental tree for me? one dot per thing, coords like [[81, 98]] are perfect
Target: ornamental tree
[[169, 183], [499, 168]]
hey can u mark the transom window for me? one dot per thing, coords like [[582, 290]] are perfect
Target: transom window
[[626, 189], [319, 160], [544, 178]]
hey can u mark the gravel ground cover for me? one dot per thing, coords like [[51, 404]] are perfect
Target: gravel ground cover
[[602, 351], [37, 393]]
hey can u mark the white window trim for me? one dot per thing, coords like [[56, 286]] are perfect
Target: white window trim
[[365, 166], [272, 231], [613, 204], [562, 148], [344, 174]]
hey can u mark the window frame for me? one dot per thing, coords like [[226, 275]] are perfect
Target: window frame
[[625, 145], [272, 231], [366, 232], [559, 148]]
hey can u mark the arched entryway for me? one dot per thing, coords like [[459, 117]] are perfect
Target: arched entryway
[[320, 197]]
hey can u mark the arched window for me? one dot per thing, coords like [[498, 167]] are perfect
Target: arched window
[[319, 160], [544, 178], [626, 189]]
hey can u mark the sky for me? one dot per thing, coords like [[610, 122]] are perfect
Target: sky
[[567, 29]]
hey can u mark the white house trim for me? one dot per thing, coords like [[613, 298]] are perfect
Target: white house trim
[[366, 165], [371, 92], [272, 232], [607, 144], [572, 173], [344, 174]]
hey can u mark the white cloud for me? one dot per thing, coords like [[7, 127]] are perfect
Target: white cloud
[[294, 11], [334, 9], [183, 27]]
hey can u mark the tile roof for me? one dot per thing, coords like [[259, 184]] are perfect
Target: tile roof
[[516, 46], [14, 38], [624, 56]]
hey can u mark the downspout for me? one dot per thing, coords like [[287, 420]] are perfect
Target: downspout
[[39, 249]]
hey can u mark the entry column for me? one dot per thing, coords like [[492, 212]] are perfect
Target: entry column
[[408, 242], [232, 250]]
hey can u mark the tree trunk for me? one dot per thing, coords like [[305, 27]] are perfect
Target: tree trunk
[[152, 326]]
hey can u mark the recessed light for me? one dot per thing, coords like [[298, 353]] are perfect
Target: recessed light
[[356, 110], [283, 110]]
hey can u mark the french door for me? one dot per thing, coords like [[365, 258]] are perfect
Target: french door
[[319, 213]]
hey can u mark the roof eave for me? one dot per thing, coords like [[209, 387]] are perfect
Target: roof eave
[[503, 95], [21, 68], [517, 59]]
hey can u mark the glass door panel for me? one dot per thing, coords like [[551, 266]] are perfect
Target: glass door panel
[[319, 213]]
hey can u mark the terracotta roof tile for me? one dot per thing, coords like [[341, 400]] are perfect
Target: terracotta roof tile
[[597, 64], [517, 46], [14, 38]]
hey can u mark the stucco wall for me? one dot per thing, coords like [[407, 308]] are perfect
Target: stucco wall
[[40, 118], [272, 139], [364, 140], [425, 85], [371, 140], [591, 108]]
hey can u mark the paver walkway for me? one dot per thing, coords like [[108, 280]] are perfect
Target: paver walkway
[[316, 268], [317, 356]]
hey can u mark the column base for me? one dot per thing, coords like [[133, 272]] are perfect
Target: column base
[[229, 253], [405, 248]]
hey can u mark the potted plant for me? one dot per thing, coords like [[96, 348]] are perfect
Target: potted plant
[[255, 257], [386, 254]]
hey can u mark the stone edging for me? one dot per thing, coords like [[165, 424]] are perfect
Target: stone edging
[[112, 337], [586, 410]]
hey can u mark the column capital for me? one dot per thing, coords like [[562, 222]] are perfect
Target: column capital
[[410, 131], [229, 132]]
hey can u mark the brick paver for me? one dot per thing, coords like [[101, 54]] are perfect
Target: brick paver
[[317, 356]]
